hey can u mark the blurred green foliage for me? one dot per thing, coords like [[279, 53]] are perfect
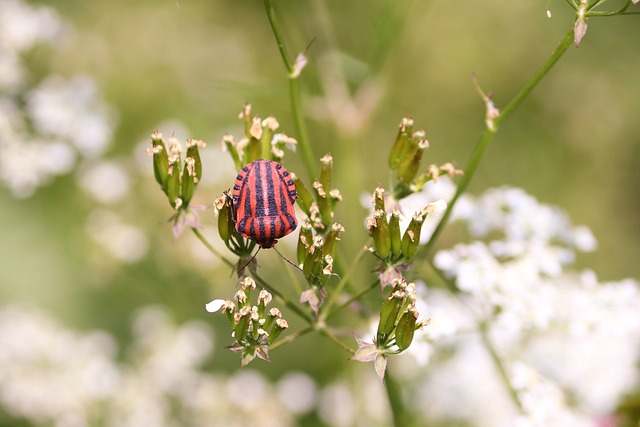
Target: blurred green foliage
[[575, 142]]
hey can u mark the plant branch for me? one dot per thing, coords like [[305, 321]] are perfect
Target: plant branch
[[490, 132], [294, 94], [209, 246], [353, 298], [291, 337], [499, 366]]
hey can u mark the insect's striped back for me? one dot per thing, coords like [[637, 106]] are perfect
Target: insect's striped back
[[263, 198]]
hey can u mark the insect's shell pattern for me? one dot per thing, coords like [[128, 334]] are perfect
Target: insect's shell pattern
[[263, 198]]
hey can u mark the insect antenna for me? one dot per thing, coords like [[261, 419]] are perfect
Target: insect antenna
[[241, 270], [284, 258]]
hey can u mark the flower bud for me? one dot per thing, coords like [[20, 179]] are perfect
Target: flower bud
[[388, 316], [225, 217], [394, 233], [411, 162], [381, 237], [160, 160], [305, 199], [243, 320], [325, 173], [305, 240], [329, 247], [378, 199], [405, 329], [269, 125], [401, 144], [279, 326], [411, 238], [173, 185]]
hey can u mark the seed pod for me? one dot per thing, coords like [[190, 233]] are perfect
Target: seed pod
[[325, 173], [160, 160], [188, 180], [388, 315], [401, 144], [411, 238], [394, 233], [304, 241], [405, 329], [329, 247], [225, 220], [381, 236], [173, 185], [305, 198]]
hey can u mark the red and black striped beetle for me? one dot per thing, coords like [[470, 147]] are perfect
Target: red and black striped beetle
[[263, 198]]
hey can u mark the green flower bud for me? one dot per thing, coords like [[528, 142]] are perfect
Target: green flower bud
[[269, 126], [322, 200], [279, 326], [405, 329], [378, 199], [242, 320], [225, 220], [173, 185], [229, 144], [305, 240], [381, 236], [411, 162], [411, 238], [272, 316], [194, 153], [305, 199], [160, 160], [254, 149], [329, 247], [188, 180], [394, 233], [325, 173], [401, 144], [388, 316]]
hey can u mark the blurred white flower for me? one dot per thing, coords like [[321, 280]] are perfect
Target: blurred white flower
[[297, 392], [72, 111], [107, 182], [22, 26], [123, 242]]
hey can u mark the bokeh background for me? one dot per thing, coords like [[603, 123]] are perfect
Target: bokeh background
[[188, 66]]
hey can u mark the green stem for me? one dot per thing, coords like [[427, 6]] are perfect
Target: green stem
[[323, 331], [291, 337], [211, 248], [353, 298], [489, 133], [294, 94], [394, 395], [499, 366]]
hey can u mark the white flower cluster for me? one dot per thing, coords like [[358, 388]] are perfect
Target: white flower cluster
[[43, 128], [55, 376], [568, 344]]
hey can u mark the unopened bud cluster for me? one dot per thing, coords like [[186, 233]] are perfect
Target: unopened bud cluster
[[227, 230], [398, 317], [255, 327], [405, 159], [389, 245], [319, 234], [260, 140], [319, 203], [178, 179]]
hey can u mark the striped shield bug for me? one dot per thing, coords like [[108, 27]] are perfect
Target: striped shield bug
[[263, 197]]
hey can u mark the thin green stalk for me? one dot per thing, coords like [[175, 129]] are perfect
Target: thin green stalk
[[323, 331], [294, 94], [499, 366], [394, 394], [489, 133], [353, 298], [211, 248], [291, 337], [344, 281]]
